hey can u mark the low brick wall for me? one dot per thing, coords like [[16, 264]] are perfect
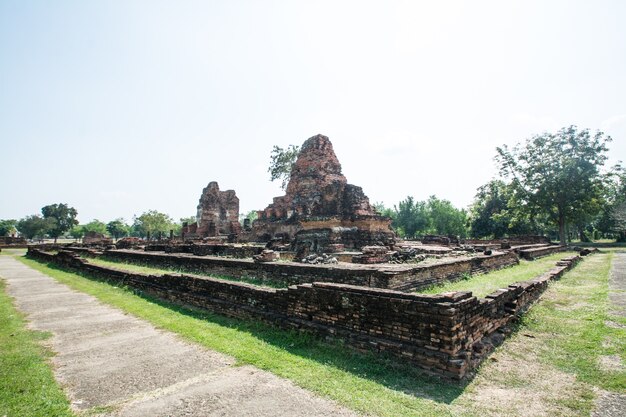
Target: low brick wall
[[422, 276], [446, 334], [399, 277], [534, 253]]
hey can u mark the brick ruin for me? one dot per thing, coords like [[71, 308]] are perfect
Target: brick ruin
[[320, 211], [445, 334], [218, 214]]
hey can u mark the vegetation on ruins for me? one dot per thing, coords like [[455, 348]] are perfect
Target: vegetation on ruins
[[252, 215], [8, 227], [483, 284], [551, 365], [281, 162], [61, 218], [558, 175]]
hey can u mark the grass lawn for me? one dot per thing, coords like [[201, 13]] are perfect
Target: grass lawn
[[143, 269], [552, 364], [481, 285], [27, 386]]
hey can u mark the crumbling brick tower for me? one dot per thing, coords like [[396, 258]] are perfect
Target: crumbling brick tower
[[218, 214], [320, 209]]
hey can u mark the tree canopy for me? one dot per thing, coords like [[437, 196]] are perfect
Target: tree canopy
[[61, 218], [281, 163], [153, 222], [7, 227], [412, 218], [118, 228], [33, 226], [557, 174]]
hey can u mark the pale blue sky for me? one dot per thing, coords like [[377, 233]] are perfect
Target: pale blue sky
[[117, 107]]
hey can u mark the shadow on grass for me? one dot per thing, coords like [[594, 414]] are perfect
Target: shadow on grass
[[382, 369]]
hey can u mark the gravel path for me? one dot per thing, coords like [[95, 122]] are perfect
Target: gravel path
[[614, 404], [125, 367]]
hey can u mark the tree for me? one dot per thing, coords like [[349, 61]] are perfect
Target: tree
[[445, 219], [281, 163], [62, 218], [557, 174], [77, 232], [612, 220], [188, 220], [34, 226], [152, 222], [489, 215], [7, 227], [252, 215], [411, 218], [95, 226], [118, 228]]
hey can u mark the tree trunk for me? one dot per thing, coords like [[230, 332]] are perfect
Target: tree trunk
[[562, 230]]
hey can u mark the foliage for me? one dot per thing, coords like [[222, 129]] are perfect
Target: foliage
[[118, 228], [95, 226], [281, 163], [77, 232], [445, 219], [411, 218], [152, 222], [34, 226], [557, 174], [612, 220], [7, 227], [188, 220], [62, 218], [384, 211], [252, 215]]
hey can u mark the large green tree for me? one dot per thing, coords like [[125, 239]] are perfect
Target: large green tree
[[281, 163], [153, 222], [612, 220], [118, 228], [7, 227], [445, 219], [485, 215], [558, 174], [34, 226], [62, 218], [95, 226], [411, 218]]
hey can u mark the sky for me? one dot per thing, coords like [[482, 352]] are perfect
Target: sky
[[118, 107]]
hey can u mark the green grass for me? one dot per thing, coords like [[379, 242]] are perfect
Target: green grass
[[574, 321], [565, 333], [363, 382], [481, 285], [144, 269], [27, 386]]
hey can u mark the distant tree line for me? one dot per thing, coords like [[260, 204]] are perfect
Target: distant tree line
[[552, 184], [59, 220]]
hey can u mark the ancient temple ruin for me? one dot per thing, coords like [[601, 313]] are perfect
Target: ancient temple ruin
[[320, 210], [218, 214]]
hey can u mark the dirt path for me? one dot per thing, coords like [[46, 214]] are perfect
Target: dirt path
[[123, 366], [613, 404]]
